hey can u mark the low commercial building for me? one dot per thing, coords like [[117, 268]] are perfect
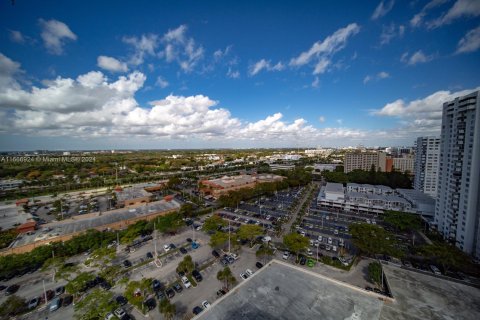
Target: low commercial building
[[422, 203], [365, 198], [6, 185], [281, 166], [224, 185], [325, 167], [132, 196]]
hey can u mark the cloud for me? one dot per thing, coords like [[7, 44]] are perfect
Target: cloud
[[111, 64], [17, 36], [417, 19], [161, 82], [265, 65], [182, 49], [316, 82], [379, 76], [460, 9], [415, 58], [322, 51], [391, 31], [321, 119], [382, 9], [423, 114], [219, 54], [143, 46], [470, 42], [234, 74], [54, 34]]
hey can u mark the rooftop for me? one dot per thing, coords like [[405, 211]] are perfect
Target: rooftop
[[282, 291], [334, 187], [132, 193]]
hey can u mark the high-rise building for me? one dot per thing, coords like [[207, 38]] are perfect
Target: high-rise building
[[426, 165], [364, 161], [405, 164], [457, 209]]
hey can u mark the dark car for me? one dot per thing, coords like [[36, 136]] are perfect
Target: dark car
[[172, 246], [33, 303], [189, 240], [105, 285], [59, 290], [198, 277], [12, 289], [221, 292], [303, 260], [369, 288], [183, 250], [259, 265], [121, 300], [150, 303], [160, 295], [149, 255], [215, 254], [67, 300], [170, 293], [181, 274], [177, 287], [224, 262], [157, 286], [2, 287], [127, 264], [197, 310]]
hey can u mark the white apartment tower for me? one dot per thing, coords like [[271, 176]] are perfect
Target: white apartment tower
[[457, 209], [426, 165]]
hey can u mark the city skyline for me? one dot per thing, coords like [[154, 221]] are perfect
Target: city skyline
[[233, 76]]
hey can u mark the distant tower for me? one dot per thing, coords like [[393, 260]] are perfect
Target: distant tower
[[426, 164]]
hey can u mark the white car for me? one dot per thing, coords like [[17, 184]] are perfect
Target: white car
[[368, 221], [373, 221], [120, 313], [327, 248], [109, 316], [286, 255], [234, 256], [244, 276], [320, 238], [302, 233], [166, 247], [206, 304], [334, 248], [185, 282], [316, 243], [335, 231], [309, 252], [311, 242], [249, 272], [342, 243], [329, 240]]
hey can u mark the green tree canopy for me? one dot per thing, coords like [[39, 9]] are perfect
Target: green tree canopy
[[212, 223], [295, 242], [372, 239], [167, 309], [186, 265], [79, 282], [227, 277], [12, 306], [402, 221], [95, 305], [218, 240], [375, 272], [263, 252], [445, 254], [249, 232]]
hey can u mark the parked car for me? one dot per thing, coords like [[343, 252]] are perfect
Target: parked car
[[166, 247], [59, 290], [11, 289], [156, 285], [286, 255], [67, 300], [206, 304], [33, 303], [198, 277], [259, 265], [127, 264], [170, 293], [244, 276], [249, 272], [150, 303], [185, 282], [120, 313], [197, 310], [121, 300], [215, 254], [172, 246], [303, 260], [55, 304], [149, 255], [177, 287], [183, 250]]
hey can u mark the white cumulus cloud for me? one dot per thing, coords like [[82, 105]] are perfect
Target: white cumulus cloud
[[111, 64], [54, 34], [265, 65], [470, 42], [382, 9], [416, 58]]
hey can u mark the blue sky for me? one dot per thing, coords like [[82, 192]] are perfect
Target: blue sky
[[195, 74]]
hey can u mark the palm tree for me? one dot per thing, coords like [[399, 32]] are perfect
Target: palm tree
[[227, 277], [264, 252], [167, 309]]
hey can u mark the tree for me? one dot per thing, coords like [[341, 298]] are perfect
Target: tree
[[227, 277], [263, 252], [136, 292], [402, 221], [186, 210], [173, 182], [95, 305], [375, 272], [79, 283], [186, 265], [218, 239], [249, 232], [12, 306], [295, 242], [167, 309], [212, 223], [445, 254], [372, 239]]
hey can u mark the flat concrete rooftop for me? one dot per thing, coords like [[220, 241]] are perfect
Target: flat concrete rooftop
[[420, 296], [280, 291]]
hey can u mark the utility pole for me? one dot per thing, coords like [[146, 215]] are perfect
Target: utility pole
[[228, 236], [45, 292]]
